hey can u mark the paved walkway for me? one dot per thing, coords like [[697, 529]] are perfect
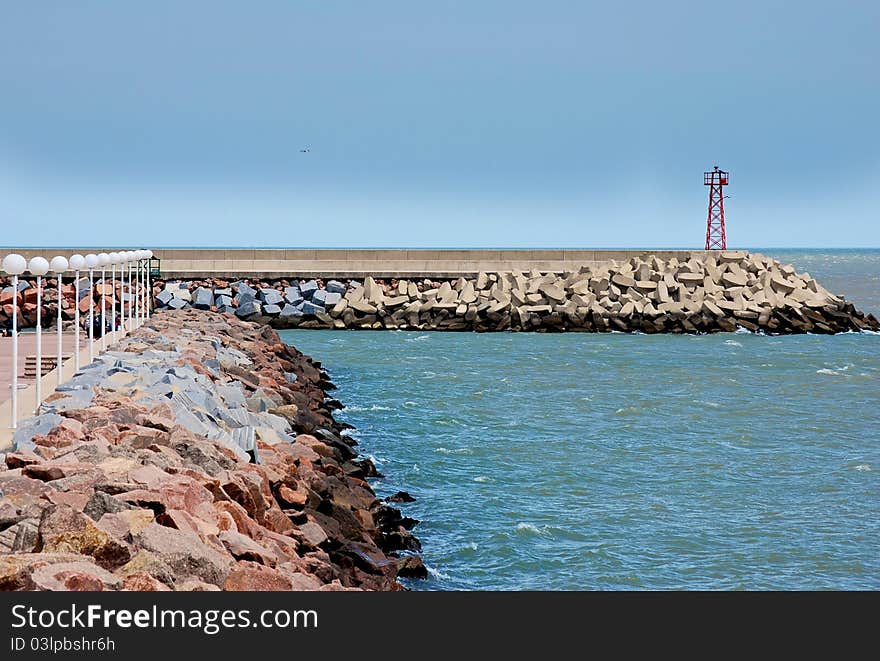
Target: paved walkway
[[27, 346]]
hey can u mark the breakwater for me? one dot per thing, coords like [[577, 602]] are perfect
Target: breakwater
[[688, 293], [198, 453]]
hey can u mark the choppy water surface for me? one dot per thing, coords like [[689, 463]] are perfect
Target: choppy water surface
[[581, 461]]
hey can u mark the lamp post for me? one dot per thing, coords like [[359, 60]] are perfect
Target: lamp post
[[103, 261], [149, 286], [132, 287], [126, 258], [14, 265], [114, 260], [135, 259], [39, 267], [58, 266], [77, 261], [91, 263]]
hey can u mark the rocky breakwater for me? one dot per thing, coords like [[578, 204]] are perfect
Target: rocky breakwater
[[25, 298], [707, 293], [199, 453]]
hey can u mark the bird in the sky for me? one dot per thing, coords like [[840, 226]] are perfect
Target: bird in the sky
[[305, 151]]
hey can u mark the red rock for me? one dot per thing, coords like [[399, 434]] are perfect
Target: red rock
[[141, 582], [252, 577], [75, 499], [244, 548], [22, 458], [294, 498], [65, 530], [185, 553], [80, 574]]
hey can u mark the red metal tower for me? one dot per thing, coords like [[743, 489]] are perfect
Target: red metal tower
[[716, 237]]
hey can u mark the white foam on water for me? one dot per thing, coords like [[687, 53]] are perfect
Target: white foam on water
[[454, 451], [628, 410], [436, 573], [419, 338], [374, 407], [732, 343], [527, 527], [429, 375], [863, 468], [482, 478], [471, 545], [713, 405]]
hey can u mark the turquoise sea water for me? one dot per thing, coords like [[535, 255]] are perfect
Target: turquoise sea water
[[613, 461]]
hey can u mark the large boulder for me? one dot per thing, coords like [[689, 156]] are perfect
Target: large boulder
[[204, 298], [335, 287], [308, 289], [247, 309], [271, 297]]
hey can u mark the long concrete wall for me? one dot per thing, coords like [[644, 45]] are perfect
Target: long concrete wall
[[270, 263]]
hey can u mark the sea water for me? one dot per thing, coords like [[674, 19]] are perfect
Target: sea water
[[615, 461]]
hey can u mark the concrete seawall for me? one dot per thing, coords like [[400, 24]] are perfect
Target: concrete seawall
[[330, 263]]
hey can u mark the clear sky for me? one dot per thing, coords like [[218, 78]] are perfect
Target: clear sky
[[473, 123]]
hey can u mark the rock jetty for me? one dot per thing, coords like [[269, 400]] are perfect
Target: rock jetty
[[26, 300], [707, 293], [198, 453]]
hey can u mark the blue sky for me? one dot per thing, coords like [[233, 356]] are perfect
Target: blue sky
[[468, 124]]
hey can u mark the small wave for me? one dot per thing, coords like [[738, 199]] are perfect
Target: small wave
[[436, 573], [410, 405], [525, 528], [454, 451], [732, 343], [702, 402], [837, 371], [377, 460], [429, 375], [586, 399], [374, 407], [419, 338], [482, 478], [741, 330], [471, 546], [862, 468], [628, 410]]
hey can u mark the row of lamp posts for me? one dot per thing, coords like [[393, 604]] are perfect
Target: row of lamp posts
[[133, 265]]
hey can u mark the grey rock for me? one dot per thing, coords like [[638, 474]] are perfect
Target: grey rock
[[244, 289], [291, 311], [247, 308], [164, 297], [271, 296], [319, 297], [36, 426], [310, 308], [222, 300], [271, 310], [178, 304], [225, 291], [335, 287], [331, 299], [204, 298], [308, 289]]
